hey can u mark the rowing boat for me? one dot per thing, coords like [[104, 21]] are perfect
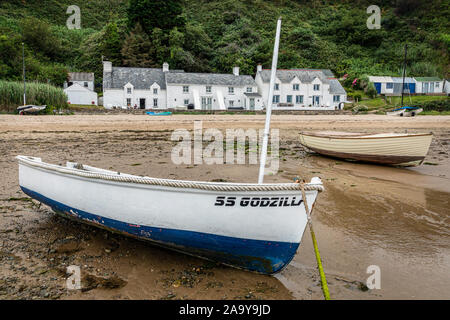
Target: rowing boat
[[405, 111], [257, 227], [382, 148]]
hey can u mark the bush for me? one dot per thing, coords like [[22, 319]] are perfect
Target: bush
[[440, 105], [360, 109]]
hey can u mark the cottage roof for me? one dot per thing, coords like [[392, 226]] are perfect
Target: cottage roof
[[80, 76], [140, 78], [210, 79], [380, 79], [422, 79], [400, 80], [304, 75], [336, 87]]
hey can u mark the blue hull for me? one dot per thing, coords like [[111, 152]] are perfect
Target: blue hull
[[159, 114], [265, 257]]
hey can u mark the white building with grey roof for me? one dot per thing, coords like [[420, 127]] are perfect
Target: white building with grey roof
[[152, 88], [302, 89], [212, 91], [79, 88]]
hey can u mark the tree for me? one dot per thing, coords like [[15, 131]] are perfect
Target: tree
[[137, 49], [162, 14], [111, 44]]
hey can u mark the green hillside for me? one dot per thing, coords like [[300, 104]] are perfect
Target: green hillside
[[212, 36]]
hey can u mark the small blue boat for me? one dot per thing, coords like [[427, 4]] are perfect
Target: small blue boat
[[151, 113]]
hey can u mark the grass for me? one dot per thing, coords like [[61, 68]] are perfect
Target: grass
[[390, 102], [80, 107], [434, 113], [11, 95]]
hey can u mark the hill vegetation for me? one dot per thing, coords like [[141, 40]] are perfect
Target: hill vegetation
[[213, 36]]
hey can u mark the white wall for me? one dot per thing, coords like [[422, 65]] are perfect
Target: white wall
[[118, 97], [176, 96], [77, 94], [305, 89], [81, 83], [438, 89]]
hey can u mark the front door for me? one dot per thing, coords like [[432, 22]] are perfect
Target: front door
[[252, 103], [142, 103], [206, 103], [425, 87], [316, 100]]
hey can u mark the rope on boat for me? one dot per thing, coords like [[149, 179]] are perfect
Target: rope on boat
[[171, 183], [323, 279]]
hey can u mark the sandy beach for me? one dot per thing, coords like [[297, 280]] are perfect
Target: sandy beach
[[394, 218]]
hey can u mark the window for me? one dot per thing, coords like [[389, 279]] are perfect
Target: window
[[155, 91], [249, 89], [185, 89], [336, 98], [298, 99], [276, 99], [155, 102], [85, 84], [186, 102], [289, 99], [208, 89], [389, 85], [296, 87], [437, 85], [231, 103], [128, 102], [277, 86], [316, 87], [230, 90], [129, 90]]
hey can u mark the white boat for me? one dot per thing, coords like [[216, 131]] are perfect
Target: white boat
[[383, 148], [252, 226], [405, 112], [30, 109]]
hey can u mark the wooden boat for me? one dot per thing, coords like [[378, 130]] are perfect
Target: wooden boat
[[405, 111], [151, 113], [252, 226], [30, 109], [383, 148]]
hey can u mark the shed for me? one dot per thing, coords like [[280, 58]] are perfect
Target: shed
[[78, 94]]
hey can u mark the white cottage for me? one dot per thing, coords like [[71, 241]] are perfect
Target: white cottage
[[78, 94], [152, 88], [143, 88], [212, 91], [429, 85], [79, 88], [302, 89], [84, 79]]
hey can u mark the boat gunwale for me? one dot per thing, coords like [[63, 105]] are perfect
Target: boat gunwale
[[354, 137], [180, 184]]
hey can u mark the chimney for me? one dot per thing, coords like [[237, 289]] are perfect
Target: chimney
[[236, 71], [107, 66], [259, 68], [165, 67]]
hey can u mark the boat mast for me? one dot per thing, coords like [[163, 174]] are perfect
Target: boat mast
[[404, 73], [269, 104], [24, 81]]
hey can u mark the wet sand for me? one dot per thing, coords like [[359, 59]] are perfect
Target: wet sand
[[396, 218]]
